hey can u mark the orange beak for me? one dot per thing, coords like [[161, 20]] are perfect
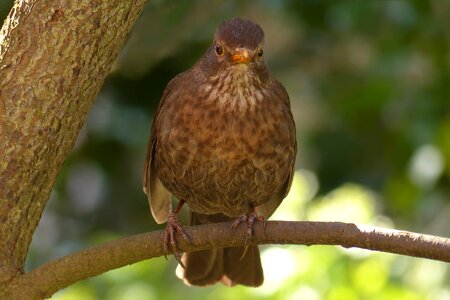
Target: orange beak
[[240, 56]]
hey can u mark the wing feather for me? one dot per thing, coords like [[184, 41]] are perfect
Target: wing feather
[[159, 197]]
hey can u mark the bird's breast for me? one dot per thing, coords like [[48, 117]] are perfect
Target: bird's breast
[[221, 156]]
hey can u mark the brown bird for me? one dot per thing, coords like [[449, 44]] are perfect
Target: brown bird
[[222, 141]]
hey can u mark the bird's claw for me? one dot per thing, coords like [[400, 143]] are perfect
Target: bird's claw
[[174, 226], [250, 219]]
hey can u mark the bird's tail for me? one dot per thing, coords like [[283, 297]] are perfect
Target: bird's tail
[[231, 266]]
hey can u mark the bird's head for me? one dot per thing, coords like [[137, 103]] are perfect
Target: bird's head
[[237, 45]]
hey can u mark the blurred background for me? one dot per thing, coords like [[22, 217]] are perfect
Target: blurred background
[[369, 84]]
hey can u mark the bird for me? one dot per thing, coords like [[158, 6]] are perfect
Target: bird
[[223, 141]]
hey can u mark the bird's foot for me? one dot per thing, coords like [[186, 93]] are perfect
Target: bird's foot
[[174, 226], [250, 219]]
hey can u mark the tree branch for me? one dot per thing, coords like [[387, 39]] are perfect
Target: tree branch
[[64, 271]]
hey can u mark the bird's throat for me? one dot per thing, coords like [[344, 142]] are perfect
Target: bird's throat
[[235, 88]]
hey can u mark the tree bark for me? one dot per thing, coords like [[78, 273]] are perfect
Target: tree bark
[[54, 56]]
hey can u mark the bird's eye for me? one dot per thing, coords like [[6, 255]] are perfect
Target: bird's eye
[[219, 49], [260, 53]]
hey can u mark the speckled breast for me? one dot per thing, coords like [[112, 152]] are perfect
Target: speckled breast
[[223, 156]]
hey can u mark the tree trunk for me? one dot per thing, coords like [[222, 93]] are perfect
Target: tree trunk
[[54, 56]]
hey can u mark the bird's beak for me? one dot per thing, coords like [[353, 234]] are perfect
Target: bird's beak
[[241, 55]]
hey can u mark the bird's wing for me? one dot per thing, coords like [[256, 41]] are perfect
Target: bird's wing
[[268, 208], [159, 197]]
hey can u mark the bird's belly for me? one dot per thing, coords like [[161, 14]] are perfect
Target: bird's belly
[[222, 173], [218, 186]]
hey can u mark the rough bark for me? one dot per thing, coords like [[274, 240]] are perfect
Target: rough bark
[[54, 56], [91, 262]]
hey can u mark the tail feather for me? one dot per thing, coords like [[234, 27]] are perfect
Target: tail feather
[[245, 270], [202, 267], [231, 266]]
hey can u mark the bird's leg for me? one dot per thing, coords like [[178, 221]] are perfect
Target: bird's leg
[[249, 218], [174, 226]]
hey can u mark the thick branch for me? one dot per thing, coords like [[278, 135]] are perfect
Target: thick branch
[[64, 271]]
